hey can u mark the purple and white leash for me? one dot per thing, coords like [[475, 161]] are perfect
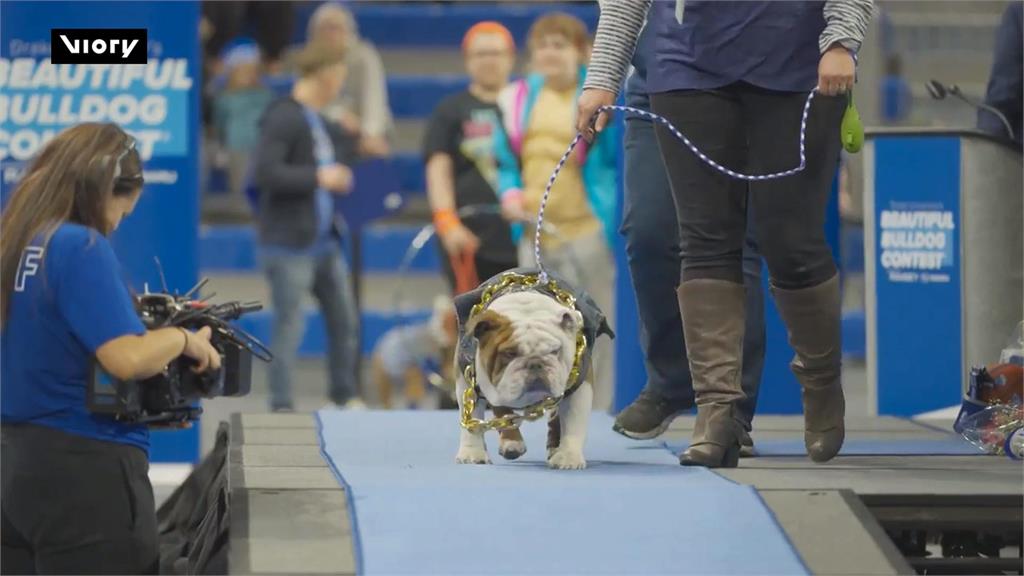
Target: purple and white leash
[[679, 135]]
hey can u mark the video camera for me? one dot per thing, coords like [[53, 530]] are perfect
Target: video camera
[[172, 396]]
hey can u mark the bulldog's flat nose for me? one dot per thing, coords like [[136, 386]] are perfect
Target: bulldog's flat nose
[[535, 365], [536, 386]]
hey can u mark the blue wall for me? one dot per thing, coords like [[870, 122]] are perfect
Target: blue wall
[[165, 221]]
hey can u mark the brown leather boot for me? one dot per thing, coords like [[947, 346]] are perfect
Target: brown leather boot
[[713, 324], [812, 317]]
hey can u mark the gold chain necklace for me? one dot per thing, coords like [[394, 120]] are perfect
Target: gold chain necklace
[[538, 409]]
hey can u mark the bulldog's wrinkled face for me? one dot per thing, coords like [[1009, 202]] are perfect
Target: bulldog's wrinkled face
[[527, 342]]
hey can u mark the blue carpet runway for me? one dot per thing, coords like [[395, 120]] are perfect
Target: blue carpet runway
[[951, 446], [633, 510]]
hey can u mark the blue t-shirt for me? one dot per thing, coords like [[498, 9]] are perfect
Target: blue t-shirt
[[69, 299], [770, 44], [323, 149]]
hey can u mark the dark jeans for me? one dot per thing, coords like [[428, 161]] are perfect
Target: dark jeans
[[755, 131], [652, 246], [73, 505], [291, 277]]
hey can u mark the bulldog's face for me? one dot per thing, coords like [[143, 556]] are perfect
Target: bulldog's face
[[527, 343]]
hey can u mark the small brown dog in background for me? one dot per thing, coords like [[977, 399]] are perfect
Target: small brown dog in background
[[411, 365]]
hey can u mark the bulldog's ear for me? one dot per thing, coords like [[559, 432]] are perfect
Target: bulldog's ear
[[485, 323], [571, 321]]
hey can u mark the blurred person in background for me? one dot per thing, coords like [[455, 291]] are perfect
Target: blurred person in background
[[238, 106], [897, 97], [362, 106], [462, 170], [76, 492], [272, 22], [538, 115], [301, 160], [221, 23], [1005, 90]]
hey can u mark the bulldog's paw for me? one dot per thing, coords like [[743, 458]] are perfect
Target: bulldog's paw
[[567, 459], [511, 449], [472, 455]]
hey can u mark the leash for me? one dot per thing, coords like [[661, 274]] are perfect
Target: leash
[[464, 268], [852, 138], [682, 138]]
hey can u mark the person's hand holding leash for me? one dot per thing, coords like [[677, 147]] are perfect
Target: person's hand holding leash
[[455, 237], [590, 100], [835, 71], [459, 239]]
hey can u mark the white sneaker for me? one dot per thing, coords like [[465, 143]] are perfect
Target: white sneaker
[[354, 403]]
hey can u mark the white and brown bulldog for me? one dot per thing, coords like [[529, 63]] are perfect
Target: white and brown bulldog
[[523, 348]]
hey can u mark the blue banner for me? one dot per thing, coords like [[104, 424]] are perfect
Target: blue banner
[[157, 102], [917, 278]]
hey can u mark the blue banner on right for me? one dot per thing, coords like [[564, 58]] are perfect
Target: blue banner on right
[[918, 288]]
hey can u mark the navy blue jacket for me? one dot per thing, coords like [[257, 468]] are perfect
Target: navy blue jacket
[[773, 45], [286, 173]]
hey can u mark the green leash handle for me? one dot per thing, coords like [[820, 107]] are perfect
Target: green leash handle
[[851, 131]]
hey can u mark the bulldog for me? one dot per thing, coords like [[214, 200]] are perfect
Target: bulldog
[[522, 347]]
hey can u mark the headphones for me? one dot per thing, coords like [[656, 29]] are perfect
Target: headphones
[[129, 145]]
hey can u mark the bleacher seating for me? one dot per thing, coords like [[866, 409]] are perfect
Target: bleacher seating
[[421, 24], [374, 324], [230, 249], [410, 97], [403, 27]]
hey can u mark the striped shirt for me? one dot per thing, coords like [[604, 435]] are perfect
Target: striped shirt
[[683, 62]]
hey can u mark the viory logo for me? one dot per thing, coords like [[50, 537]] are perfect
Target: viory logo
[[98, 46]]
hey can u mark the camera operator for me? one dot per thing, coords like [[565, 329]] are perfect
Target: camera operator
[[76, 497]]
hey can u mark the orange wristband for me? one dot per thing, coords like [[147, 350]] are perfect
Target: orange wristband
[[445, 220]]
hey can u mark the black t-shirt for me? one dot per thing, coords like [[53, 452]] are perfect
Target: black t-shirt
[[464, 127]]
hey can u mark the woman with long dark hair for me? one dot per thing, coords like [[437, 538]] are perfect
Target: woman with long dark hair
[[76, 497]]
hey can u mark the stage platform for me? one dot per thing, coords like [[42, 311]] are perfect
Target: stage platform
[[914, 509]]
